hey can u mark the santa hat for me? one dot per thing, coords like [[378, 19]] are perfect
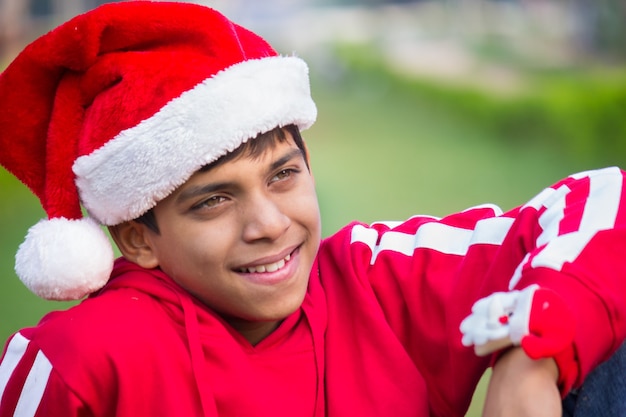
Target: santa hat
[[117, 108]]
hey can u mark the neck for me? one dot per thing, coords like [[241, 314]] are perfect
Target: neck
[[253, 331]]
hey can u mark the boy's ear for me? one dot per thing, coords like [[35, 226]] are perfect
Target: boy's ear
[[132, 240]]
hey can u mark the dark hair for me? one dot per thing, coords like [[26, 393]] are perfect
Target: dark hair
[[252, 148]]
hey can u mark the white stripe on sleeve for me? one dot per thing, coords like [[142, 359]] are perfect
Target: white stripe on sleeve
[[15, 351], [604, 199], [550, 220], [34, 387], [600, 213], [440, 237]]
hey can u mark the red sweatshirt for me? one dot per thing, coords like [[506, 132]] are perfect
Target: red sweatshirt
[[377, 334]]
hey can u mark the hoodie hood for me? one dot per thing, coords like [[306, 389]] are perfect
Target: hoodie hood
[[182, 308], [156, 284]]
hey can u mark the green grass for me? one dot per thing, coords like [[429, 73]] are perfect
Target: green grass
[[379, 152]]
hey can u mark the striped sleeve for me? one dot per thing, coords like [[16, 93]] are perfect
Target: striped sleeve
[[579, 253], [28, 383], [570, 216], [570, 238]]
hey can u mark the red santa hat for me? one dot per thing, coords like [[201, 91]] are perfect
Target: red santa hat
[[116, 108]]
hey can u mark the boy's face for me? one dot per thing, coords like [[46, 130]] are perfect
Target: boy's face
[[243, 235]]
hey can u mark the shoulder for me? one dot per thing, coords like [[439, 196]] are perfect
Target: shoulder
[[107, 326], [102, 347], [116, 336]]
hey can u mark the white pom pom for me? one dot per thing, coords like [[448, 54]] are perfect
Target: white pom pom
[[63, 259]]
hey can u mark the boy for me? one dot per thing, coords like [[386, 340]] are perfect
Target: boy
[[180, 131]]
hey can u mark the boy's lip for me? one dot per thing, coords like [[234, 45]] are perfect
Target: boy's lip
[[269, 259], [287, 261]]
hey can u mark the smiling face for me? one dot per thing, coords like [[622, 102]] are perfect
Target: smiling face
[[241, 236]]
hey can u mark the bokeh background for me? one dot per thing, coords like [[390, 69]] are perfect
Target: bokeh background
[[426, 106]]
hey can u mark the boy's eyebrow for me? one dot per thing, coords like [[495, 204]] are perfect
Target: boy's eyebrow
[[195, 191], [286, 158]]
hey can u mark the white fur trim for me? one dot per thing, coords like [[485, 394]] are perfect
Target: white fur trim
[[142, 165], [63, 259]]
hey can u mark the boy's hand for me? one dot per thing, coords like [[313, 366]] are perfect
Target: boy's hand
[[523, 387], [535, 318]]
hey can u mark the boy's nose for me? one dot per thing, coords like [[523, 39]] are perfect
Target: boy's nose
[[265, 219]]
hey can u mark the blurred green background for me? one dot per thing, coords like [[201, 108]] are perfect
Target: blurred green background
[[424, 107]]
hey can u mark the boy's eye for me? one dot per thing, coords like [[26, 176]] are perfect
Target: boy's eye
[[283, 174], [209, 202]]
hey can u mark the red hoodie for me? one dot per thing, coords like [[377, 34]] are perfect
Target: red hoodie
[[377, 334]]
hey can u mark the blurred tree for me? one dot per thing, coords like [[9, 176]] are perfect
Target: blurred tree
[[13, 23], [601, 28], [22, 21], [41, 8]]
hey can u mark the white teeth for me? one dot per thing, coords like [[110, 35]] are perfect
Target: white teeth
[[269, 267]]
